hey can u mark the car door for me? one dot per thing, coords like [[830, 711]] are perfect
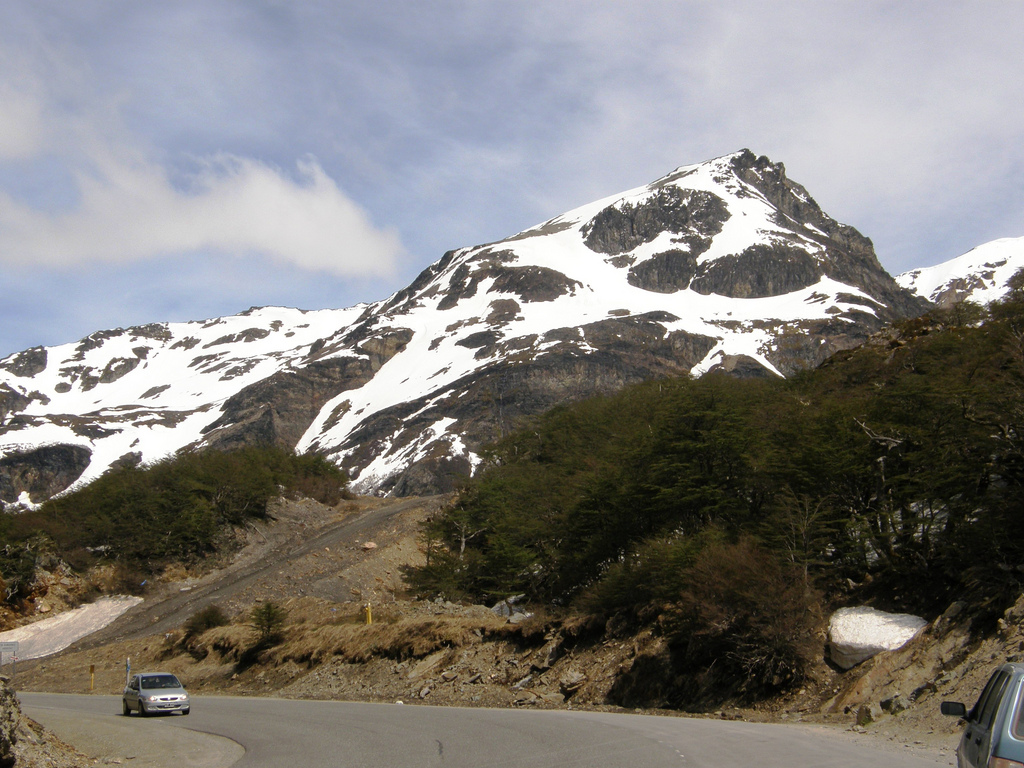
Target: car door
[[977, 738], [131, 693]]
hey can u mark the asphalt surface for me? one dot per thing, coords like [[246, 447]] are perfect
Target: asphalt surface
[[278, 733], [94, 725]]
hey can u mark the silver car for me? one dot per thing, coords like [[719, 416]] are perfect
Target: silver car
[[993, 735], [151, 692]]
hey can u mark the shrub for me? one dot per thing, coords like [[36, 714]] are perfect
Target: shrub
[[268, 621], [209, 617], [743, 625], [177, 510]]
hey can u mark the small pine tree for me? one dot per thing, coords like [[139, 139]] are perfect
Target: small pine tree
[[268, 621]]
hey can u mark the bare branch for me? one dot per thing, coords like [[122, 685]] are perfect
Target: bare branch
[[888, 442]]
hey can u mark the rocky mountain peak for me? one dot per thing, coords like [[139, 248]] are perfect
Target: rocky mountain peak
[[726, 265]]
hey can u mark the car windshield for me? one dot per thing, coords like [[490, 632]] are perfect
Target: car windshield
[[160, 681]]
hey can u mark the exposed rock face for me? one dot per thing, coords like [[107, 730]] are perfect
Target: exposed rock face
[[742, 366], [665, 272], [727, 265], [27, 363], [279, 409], [852, 256], [530, 283], [42, 472], [491, 403], [11, 401], [23, 742], [694, 215], [759, 271], [10, 718]]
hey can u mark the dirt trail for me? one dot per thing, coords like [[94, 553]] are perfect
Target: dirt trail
[[279, 558]]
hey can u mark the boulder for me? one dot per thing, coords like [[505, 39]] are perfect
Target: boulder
[[506, 608], [857, 634], [548, 655], [571, 681], [509, 608]]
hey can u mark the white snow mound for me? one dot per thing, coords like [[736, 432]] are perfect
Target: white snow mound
[[48, 636], [857, 634]]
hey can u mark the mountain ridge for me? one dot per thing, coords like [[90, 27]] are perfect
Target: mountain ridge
[[981, 275], [723, 265]]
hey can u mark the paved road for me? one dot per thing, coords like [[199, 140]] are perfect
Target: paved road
[[277, 733]]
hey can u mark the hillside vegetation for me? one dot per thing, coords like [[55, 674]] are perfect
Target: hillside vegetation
[[142, 518], [730, 514]]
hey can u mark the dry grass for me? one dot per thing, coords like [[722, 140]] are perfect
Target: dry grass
[[403, 639], [228, 642], [315, 632]]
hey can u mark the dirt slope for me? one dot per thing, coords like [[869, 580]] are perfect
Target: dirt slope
[[307, 550]]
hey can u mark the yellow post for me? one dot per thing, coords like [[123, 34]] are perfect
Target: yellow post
[[92, 677], [368, 613]]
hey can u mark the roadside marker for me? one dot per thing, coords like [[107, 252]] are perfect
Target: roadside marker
[[10, 647]]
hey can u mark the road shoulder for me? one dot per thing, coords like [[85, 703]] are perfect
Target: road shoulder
[[147, 743]]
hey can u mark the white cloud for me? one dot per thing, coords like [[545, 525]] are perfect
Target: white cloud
[[127, 206], [20, 123], [129, 210], [23, 125]]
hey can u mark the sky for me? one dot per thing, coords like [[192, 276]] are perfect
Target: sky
[[189, 159]]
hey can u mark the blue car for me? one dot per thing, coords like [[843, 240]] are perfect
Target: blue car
[[993, 735]]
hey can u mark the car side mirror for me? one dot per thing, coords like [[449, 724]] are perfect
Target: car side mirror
[[953, 708]]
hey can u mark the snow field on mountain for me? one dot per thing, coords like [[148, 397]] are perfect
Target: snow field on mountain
[[991, 265], [602, 290], [385, 463], [187, 395], [152, 390], [171, 363], [48, 636]]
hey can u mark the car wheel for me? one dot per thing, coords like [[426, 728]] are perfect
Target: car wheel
[[124, 708], [185, 711], [142, 710]]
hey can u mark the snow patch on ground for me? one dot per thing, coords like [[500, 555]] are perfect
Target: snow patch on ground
[[49, 636], [857, 634]]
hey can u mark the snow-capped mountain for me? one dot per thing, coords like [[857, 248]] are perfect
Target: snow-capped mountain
[[723, 265], [980, 275]]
